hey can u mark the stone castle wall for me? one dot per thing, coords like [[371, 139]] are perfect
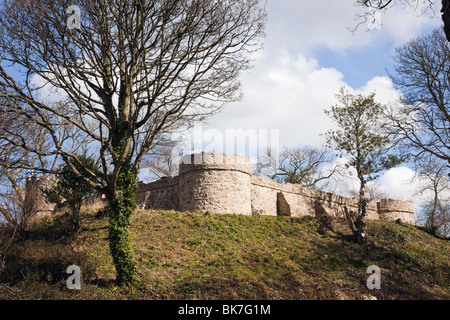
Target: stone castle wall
[[36, 203], [215, 182], [161, 194], [272, 198], [222, 183]]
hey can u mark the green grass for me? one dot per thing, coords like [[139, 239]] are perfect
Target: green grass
[[198, 256]]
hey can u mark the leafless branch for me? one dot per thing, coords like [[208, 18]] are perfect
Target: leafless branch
[[134, 70]]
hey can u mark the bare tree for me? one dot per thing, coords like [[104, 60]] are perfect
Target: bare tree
[[422, 120], [373, 192], [385, 4], [126, 71], [382, 5], [161, 160], [445, 10], [16, 198], [268, 162], [301, 165], [435, 184], [14, 207]]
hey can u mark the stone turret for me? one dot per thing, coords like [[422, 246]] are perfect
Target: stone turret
[[389, 209], [215, 182], [36, 205]]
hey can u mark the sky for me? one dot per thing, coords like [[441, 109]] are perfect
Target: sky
[[309, 53]]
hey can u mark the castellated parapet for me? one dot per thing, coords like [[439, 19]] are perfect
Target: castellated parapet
[[222, 183], [215, 182]]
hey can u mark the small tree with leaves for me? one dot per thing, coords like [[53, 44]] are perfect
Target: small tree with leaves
[[71, 190], [361, 138]]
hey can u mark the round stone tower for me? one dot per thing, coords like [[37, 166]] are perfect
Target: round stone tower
[[389, 209], [215, 182], [36, 203]]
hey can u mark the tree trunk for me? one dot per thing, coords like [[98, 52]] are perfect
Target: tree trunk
[[446, 17], [76, 218], [361, 219], [350, 218], [432, 223], [122, 205]]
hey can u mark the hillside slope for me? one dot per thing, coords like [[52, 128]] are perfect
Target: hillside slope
[[198, 256]]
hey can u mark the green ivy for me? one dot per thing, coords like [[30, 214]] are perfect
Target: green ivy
[[72, 189], [119, 216], [360, 221]]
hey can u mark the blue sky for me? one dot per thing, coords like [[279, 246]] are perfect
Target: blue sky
[[358, 65]]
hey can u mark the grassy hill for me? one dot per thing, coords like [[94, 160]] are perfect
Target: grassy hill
[[207, 256]]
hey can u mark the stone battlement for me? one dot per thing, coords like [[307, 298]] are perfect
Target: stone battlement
[[215, 161], [223, 183]]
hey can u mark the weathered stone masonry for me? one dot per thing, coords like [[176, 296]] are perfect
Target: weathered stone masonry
[[223, 183], [35, 201]]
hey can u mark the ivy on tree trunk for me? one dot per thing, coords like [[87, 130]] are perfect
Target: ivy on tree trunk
[[121, 207]]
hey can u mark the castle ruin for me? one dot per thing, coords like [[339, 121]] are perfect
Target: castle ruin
[[223, 183], [35, 202]]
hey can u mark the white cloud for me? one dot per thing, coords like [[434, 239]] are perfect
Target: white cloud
[[383, 88], [288, 89], [290, 94], [401, 23], [302, 25], [399, 184]]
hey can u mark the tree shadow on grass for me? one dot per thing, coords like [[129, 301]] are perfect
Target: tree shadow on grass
[[404, 275]]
